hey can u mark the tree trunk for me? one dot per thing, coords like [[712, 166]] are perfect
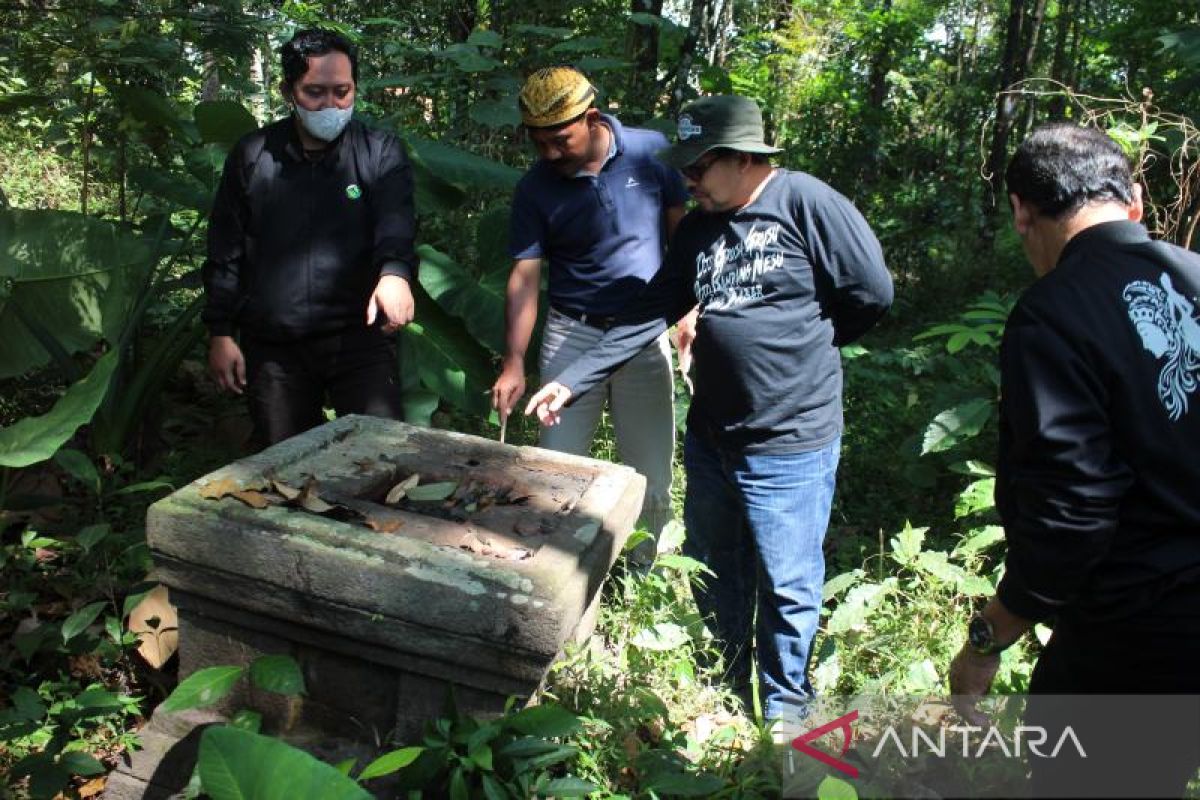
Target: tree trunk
[[1028, 62], [643, 52], [724, 30], [1058, 64], [86, 144], [877, 91], [1006, 105], [1076, 35], [687, 53], [460, 21]]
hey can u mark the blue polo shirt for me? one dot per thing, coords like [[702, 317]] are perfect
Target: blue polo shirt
[[603, 235]]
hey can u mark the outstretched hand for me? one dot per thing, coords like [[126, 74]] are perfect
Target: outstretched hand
[[547, 402]]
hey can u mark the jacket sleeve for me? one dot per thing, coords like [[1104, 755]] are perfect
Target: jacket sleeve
[[226, 248], [665, 299], [1059, 480], [394, 211], [847, 262]]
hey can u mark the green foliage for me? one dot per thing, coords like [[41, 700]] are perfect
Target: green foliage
[[35, 439], [50, 730], [515, 755], [896, 633], [204, 687], [70, 277], [279, 674], [235, 764]]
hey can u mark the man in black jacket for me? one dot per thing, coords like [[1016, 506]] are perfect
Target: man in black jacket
[[310, 253], [1099, 445]]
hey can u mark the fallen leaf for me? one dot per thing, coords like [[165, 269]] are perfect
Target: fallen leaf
[[251, 498], [93, 787], [288, 492], [486, 547], [400, 489], [86, 665], [310, 500], [432, 492], [216, 489], [159, 641], [384, 524]]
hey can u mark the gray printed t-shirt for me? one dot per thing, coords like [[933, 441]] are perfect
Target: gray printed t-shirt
[[781, 284]]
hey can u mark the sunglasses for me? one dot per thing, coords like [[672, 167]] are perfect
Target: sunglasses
[[695, 171]]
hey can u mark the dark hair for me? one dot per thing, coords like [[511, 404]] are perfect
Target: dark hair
[[314, 42], [1060, 168]]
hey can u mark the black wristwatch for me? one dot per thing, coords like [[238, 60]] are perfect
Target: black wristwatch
[[981, 636]]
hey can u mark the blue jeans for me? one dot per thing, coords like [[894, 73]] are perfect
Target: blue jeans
[[758, 522]]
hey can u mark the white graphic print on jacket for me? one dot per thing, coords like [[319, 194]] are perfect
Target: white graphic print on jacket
[[729, 277], [1166, 321]]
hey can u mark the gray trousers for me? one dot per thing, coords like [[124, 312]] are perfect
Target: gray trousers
[[641, 401]]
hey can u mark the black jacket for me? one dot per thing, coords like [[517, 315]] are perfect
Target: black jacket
[[295, 247], [1098, 481]]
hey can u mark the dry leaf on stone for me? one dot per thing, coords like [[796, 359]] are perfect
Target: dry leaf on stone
[[93, 787], [384, 524], [288, 492], [251, 498], [216, 489], [309, 500], [486, 547], [398, 491], [156, 623], [432, 492]]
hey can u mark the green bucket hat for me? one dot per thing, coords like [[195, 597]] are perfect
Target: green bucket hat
[[722, 120]]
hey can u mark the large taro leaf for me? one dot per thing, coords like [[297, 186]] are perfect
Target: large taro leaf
[[182, 189], [449, 361], [223, 122], [460, 168], [236, 764], [477, 300], [35, 439], [432, 193], [419, 402], [77, 276]]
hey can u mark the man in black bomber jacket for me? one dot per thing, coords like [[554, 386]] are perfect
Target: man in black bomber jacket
[[1099, 469], [310, 253]]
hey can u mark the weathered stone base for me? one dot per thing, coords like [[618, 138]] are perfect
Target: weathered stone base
[[161, 769], [170, 743], [355, 691]]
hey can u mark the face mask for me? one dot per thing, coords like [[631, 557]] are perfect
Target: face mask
[[325, 124]]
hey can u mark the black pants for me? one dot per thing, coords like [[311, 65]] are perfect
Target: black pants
[[1134, 702], [288, 382]]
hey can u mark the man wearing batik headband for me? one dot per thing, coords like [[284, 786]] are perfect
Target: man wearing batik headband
[[598, 208], [310, 253], [785, 271]]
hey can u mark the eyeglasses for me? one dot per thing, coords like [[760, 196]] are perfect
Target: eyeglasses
[[694, 172]]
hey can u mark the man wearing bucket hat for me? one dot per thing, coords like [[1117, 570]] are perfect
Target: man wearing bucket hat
[[598, 208], [785, 271]]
